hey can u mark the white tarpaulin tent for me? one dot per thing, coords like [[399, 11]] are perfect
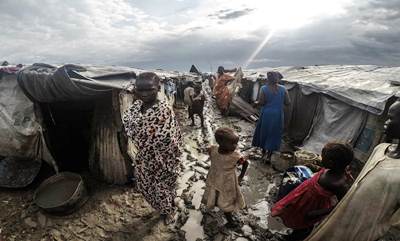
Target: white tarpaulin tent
[[340, 99]]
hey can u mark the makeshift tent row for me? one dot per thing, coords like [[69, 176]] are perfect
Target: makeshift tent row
[[73, 110], [334, 103]]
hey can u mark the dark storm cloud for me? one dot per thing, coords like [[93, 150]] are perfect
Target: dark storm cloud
[[376, 31], [227, 14], [387, 4]]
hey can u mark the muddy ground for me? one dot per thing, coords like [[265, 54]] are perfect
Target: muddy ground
[[119, 213]]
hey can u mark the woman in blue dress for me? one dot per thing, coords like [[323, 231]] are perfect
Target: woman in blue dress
[[272, 98]]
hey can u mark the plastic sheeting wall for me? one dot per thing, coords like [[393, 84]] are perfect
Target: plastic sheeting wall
[[20, 133], [106, 159], [334, 121], [300, 114]]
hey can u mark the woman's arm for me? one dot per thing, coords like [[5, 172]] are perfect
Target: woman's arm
[[122, 142]]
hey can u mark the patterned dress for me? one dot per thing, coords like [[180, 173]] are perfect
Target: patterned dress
[[157, 137], [221, 92]]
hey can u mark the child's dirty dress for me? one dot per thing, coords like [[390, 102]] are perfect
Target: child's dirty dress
[[222, 186]]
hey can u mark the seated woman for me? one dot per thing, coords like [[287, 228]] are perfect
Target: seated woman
[[316, 197]]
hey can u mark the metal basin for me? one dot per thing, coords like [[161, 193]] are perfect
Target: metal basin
[[62, 193]]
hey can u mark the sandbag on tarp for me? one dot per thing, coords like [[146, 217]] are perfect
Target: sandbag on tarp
[[20, 132], [334, 121]]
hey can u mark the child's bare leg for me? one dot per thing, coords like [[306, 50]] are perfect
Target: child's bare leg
[[202, 119], [191, 115]]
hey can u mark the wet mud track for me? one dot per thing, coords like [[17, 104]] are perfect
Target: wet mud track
[[118, 213], [259, 185]]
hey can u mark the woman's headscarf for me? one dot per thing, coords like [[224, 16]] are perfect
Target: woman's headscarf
[[220, 70], [273, 77]]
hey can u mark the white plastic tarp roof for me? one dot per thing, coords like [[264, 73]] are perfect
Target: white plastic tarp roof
[[367, 87]]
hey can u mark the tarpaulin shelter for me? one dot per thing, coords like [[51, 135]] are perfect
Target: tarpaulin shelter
[[20, 130], [194, 70], [335, 103], [70, 116]]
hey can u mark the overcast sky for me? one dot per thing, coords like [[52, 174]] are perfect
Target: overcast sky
[[173, 34]]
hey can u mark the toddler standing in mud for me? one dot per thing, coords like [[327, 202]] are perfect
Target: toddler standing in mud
[[222, 185]]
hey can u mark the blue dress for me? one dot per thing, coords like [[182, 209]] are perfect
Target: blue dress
[[268, 133]]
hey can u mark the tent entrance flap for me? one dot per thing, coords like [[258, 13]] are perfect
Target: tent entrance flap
[[68, 126]]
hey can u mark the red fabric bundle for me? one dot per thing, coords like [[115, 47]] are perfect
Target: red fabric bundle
[[309, 196]]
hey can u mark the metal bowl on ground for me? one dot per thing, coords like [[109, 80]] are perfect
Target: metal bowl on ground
[[61, 194], [18, 172]]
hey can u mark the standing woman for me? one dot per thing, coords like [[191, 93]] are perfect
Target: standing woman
[[221, 91], [268, 133], [152, 126]]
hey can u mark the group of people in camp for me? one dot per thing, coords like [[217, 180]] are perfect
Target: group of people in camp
[[330, 205]]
